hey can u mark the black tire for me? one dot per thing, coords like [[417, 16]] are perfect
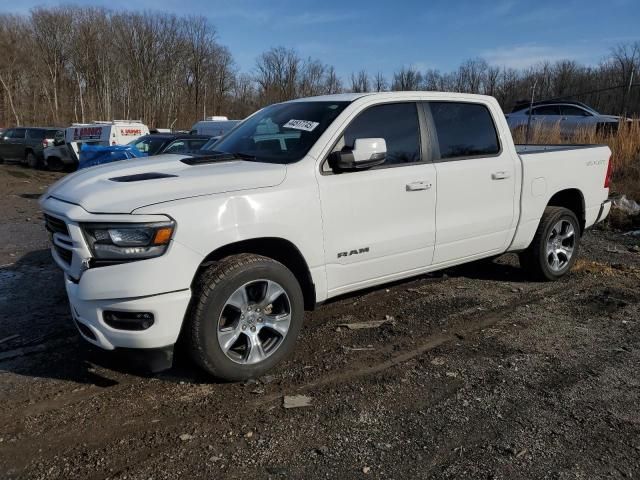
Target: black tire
[[32, 160], [54, 164], [535, 259], [211, 291]]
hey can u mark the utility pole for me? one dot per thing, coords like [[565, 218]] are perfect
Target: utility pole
[[628, 92], [533, 93]]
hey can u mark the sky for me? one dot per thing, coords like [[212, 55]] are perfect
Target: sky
[[385, 36]]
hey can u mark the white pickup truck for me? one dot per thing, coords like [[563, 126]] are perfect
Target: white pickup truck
[[303, 201]]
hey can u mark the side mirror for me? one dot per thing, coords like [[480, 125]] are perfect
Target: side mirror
[[366, 153]]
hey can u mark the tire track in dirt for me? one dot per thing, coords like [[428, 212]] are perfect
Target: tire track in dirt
[[53, 443], [475, 323]]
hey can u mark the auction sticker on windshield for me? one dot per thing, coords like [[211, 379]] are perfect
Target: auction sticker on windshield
[[305, 125]]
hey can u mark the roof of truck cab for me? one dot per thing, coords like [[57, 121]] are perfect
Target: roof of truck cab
[[350, 97], [338, 97]]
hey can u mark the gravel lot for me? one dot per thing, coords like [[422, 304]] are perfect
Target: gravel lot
[[477, 373]]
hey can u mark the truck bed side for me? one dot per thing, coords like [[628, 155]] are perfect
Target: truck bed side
[[574, 171]]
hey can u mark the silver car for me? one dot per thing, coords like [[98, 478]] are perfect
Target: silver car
[[570, 116]]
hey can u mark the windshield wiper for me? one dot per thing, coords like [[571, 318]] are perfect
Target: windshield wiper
[[216, 156], [244, 156]]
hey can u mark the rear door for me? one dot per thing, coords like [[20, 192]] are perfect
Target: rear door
[[547, 116], [476, 182], [379, 222], [573, 119]]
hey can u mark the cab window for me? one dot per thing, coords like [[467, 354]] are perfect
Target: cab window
[[397, 123], [464, 130]]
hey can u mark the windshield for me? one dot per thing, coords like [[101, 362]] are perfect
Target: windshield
[[281, 133], [149, 145]]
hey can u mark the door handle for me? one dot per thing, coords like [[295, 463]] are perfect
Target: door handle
[[500, 175], [421, 185]]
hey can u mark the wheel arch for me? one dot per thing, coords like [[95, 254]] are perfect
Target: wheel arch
[[572, 199], [279, 249]]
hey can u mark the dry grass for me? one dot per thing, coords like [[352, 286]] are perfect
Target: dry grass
[[624, 144]]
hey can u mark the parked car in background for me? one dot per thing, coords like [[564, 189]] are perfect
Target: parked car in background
[[26, 144], [213, 126], [65, 153], [570, 116], [157, 143]]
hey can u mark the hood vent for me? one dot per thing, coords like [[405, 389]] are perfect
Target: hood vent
[[141, 176]]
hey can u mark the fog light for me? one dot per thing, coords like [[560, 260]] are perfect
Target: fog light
[[128, 320]]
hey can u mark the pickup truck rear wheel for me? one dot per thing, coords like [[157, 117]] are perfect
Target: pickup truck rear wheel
[[245, 316], [555, 245]]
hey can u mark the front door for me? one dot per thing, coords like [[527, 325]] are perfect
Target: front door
[[379, 222]]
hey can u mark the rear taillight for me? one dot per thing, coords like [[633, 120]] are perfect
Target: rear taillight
[[45, 143], [607, 179]]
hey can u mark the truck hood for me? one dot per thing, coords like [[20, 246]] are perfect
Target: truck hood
[[123, 186]]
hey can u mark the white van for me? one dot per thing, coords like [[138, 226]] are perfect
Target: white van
[[115, 132], [213, 126], [66, 152]]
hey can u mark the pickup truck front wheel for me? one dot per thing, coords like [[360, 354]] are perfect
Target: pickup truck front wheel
[[245, 316], [555, 245]]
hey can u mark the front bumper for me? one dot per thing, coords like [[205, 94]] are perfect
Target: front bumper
[[160, 286], [168, 310]]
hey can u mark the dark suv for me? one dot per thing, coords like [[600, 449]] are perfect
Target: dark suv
[[25, 145]]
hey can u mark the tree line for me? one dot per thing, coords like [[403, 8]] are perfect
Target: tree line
[[69, 64]]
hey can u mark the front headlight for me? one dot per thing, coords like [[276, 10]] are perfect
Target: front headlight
[[128, 241]]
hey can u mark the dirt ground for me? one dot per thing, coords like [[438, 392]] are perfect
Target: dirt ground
[[478, 374]]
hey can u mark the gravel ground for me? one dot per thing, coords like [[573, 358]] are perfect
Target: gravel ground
[[477, 373]]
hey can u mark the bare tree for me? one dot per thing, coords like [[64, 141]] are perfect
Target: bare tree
[[277, 74], [332, 83], [96, 64], [408, 78], [380, 83], [360, 82], [11, 28]]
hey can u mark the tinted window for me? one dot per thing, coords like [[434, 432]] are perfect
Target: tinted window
[[464, 129], [39, 134], [547, 110], [149, 144], [196, 144], [573, 111], [397, 123], [176, 147], [18, 132]]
